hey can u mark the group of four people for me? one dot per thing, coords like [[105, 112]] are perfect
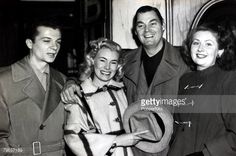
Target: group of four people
[[32, 117]]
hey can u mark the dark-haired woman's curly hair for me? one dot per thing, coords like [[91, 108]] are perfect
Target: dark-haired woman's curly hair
[[225, 40], [86, 69]]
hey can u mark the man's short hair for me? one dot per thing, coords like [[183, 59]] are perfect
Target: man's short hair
[[144, 9], [31, 27]]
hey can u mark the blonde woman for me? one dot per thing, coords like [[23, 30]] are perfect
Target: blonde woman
[[94, 124]]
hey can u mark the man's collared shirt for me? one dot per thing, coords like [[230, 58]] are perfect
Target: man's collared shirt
[[42, 74]]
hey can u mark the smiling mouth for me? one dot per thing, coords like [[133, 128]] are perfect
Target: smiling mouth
[[201, 56], [105, 73], [148, 36], [52, 54]]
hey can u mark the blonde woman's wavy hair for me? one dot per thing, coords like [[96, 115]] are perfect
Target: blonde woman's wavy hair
[[86, 68]]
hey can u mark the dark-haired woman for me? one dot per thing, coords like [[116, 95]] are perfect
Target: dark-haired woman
[[206, 124]]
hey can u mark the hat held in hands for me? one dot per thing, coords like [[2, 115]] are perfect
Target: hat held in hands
[[156, 119]]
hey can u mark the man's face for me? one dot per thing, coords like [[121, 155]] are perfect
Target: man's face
[[149, 29], [46, 45]]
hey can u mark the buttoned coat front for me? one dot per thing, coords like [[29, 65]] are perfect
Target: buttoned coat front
[[28, 112], [209, 125], [107, 115]]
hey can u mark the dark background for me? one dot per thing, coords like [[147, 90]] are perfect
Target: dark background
[[81, 21]]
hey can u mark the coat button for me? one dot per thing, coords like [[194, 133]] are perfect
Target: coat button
[[104, 88], [41, 127], [112, 103], [117, 119]]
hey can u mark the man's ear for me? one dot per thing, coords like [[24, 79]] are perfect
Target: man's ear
[[135, 32], [163, 27], [29, 43]]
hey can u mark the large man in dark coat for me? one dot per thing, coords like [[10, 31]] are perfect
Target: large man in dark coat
[[154, 68]]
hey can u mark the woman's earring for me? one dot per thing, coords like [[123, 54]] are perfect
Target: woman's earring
[[219, 54]]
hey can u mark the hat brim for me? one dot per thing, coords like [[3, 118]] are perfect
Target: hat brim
[[164, 114]]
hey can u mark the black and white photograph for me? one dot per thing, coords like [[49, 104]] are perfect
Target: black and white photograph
[[117, 78]]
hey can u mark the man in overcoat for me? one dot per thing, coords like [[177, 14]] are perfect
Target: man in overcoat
[[31, 114], [154, 68]]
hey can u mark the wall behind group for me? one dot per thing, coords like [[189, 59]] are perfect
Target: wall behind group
[[178, 15]]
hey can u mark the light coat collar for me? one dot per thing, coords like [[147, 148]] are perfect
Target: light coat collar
[[23, 74], [89, 87]]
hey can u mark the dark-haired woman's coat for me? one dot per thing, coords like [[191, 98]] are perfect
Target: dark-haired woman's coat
[[209, 124]]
